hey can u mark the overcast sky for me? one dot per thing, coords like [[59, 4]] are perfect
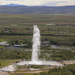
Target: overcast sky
[[39, 2]]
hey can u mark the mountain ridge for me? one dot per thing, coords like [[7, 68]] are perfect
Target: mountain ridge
[[37, 10], [13, 5]]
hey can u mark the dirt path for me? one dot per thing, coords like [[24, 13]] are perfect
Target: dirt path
[[29, 72], [68, 62]]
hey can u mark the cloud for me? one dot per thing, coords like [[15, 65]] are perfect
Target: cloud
[[39, 2], [55, 3]]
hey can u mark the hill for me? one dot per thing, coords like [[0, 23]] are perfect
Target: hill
[[13, 5], [37, 10]]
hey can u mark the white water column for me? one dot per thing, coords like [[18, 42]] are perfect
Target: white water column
[[36, 43]]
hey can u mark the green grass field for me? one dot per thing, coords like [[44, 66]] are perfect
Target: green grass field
[[21, 74], [15, 24], [7, 62]]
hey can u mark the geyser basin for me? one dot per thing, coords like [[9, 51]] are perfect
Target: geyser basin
[[9, 68], [21, 63], [42, 63], [35, 63], [35, 53]]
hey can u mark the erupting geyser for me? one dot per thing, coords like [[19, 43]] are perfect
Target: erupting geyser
[[36, 43], [36, 46]]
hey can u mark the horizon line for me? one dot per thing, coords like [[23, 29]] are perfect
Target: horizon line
[[33, 5]]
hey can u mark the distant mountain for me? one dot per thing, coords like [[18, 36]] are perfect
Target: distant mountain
[[16, 9], [13, 5]]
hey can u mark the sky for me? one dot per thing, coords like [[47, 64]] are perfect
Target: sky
[[39, 2]]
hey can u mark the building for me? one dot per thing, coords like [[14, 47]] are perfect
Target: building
[[45, 43], [18, 45], [49, 24], [4, 43], [59, 35]]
